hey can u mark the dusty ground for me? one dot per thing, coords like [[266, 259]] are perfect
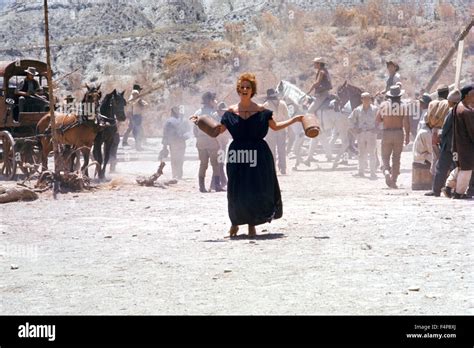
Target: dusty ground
[[344, 246]]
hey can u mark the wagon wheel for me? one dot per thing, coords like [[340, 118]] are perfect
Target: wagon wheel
[[29, 159], [8, 166]]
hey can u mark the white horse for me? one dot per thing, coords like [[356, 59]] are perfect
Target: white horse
[[334, 124]]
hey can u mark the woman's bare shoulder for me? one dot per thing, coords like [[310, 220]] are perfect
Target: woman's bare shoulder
[[233, 108]]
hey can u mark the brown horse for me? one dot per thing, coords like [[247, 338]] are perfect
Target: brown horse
[[69, 131]]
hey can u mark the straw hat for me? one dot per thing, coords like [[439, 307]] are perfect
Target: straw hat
[[319, 60], [391, 62]]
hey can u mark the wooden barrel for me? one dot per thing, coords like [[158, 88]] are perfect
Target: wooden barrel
[[208, 125], [311, 126], [421, 178]]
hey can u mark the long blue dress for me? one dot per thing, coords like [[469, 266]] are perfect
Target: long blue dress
[[253, 192]]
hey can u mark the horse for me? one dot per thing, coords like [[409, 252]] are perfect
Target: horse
[[347, 92], [111, 110], [333, 120], [69, 132], [348, 98]]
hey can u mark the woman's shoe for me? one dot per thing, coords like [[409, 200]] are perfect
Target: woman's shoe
[[252, 231], [233, 231]]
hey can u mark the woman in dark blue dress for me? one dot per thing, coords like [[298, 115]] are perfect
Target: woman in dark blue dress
[[253, 192]]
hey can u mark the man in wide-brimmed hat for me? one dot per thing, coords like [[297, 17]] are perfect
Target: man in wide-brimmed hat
[[321, 86], [69, 104], [135, 125], [69, 99], [277, 140], [393, 76], [393, 115], [27, 91]]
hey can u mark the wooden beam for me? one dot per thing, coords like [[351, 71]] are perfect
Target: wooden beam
[[51, 100], [448, 56]]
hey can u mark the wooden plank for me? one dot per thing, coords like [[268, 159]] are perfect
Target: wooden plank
[[459, 64]]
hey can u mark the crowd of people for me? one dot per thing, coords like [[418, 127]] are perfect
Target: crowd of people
[[391, 120]]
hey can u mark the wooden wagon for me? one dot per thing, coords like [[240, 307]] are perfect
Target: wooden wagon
[[18, 142]]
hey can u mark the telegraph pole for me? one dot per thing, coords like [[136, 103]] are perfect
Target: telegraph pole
[[51, 102]]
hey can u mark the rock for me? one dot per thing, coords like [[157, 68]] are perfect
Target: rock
[[131, 200], [227, 271], [414, 288], [108, 237], [366, 246]]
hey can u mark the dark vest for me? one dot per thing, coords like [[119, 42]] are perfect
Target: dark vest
[[325, 84], [24, 86]]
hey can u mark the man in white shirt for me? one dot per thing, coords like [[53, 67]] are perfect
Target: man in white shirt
[[363, 124], [277, 140]]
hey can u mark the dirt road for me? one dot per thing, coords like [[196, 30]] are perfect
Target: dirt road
[[344, 246]]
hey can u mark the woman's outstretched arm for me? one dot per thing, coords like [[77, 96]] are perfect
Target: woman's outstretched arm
[[276, 126]]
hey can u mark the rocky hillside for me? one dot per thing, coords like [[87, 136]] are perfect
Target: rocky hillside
[[186, 46]]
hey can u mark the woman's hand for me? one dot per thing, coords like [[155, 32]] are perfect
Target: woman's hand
[[194, 119], [298, 118]]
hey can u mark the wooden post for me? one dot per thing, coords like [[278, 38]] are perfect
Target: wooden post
[[448, 57], [51, 101], [457, 77]]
